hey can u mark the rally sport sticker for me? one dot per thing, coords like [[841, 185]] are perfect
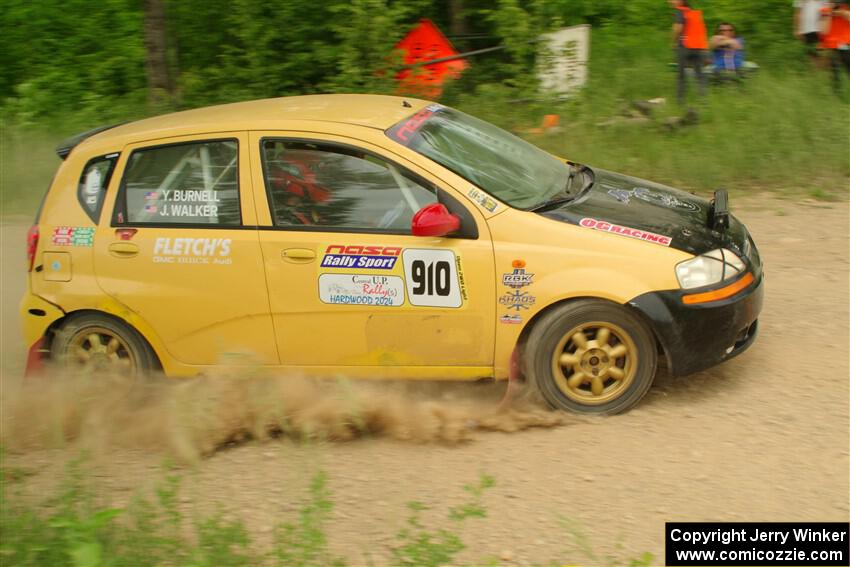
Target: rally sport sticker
[[432, 278], [360, 257]]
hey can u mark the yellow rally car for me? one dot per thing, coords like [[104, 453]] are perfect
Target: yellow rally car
[[378, 237]]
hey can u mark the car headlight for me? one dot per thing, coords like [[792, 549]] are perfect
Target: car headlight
[[710, 268]]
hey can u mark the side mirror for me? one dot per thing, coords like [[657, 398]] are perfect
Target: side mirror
[[434, 220]]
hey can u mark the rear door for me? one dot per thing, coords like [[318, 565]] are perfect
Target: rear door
[[181, 250], [349, 285]]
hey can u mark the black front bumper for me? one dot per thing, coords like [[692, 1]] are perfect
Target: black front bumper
[[696, 337]]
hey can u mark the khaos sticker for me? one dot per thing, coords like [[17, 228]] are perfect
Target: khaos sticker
[[626, 231], [483, 199], [432, 278], [518, 300], [73, 236], [355, 289], [192, 251]]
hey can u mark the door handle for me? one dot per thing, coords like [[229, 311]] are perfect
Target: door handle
[[123, 249], [298, 255]]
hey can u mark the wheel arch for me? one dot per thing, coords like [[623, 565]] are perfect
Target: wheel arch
[[527, 328], [56, 326]]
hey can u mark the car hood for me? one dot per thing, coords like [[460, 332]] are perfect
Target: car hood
[[650, 211]]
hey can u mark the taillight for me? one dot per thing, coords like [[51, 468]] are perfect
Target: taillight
[[32, 244]]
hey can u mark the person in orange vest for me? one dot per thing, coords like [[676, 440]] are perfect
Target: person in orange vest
[[836, 37], [691, 42]]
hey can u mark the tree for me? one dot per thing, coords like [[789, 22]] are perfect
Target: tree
[[160, 83]]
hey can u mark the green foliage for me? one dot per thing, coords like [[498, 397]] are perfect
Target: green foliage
[[304, 543], [67, 56], [73, 65], [76, 56], [421, 547]]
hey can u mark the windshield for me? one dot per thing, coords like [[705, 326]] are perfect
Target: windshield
[[510, 169]]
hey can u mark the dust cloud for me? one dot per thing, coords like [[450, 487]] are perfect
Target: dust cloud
[[190, 419]]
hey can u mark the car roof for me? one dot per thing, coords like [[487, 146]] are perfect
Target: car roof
[[372, 111]]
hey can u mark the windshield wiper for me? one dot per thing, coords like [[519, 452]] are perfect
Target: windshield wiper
[[565, 196], [551, 203]]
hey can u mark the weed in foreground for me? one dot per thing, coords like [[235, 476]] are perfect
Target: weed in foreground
[[77, 530]]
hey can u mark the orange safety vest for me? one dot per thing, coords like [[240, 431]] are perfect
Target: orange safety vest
[[694, 35], [839, 30]]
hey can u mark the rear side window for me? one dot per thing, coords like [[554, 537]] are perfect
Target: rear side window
[[93, 183], [194, 183]]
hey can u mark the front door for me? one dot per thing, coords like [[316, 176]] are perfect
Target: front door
[[181, 250], [349, 286]]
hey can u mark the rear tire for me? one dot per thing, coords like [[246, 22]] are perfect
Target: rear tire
[[98, 344], [591, 356]]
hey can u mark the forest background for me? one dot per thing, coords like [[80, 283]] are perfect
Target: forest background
[[70, 65]]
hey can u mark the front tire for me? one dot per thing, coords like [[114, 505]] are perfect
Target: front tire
[[97, 344], [591, 356]]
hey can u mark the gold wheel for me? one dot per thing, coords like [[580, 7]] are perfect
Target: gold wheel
[[98, 349], [594, 362]]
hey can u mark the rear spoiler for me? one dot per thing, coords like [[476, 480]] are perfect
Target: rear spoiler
[[718, 216], [63, 149]]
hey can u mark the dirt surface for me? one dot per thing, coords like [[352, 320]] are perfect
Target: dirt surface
[[761, 438]]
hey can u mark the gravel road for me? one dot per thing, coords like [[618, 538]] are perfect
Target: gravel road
[[761, 438]]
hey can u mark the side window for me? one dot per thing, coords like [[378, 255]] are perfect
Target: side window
[[193, 183], [93, 183], [325, 185]]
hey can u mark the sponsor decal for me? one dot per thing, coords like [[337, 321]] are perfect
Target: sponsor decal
[[183, 203], [73, 236], [510, 319], [483, 199], [461, 279], [650, 196], [409, 128], [626, 231], [519, 277], [518, 300], [361, 289], [360, 257], [168, 250], [432, 278]]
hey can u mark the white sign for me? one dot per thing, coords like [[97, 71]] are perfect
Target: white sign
[[353, 289], [563, 59], [431, 277]]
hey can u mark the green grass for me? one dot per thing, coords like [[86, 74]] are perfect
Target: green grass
[[76, 529], [783, 130]]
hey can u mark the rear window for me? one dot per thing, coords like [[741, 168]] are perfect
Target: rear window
[[93, 183], [194, 183]]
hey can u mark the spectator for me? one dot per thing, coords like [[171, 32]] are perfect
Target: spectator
[[728, 50], [690, 40], [836, 38], [807, 25]]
